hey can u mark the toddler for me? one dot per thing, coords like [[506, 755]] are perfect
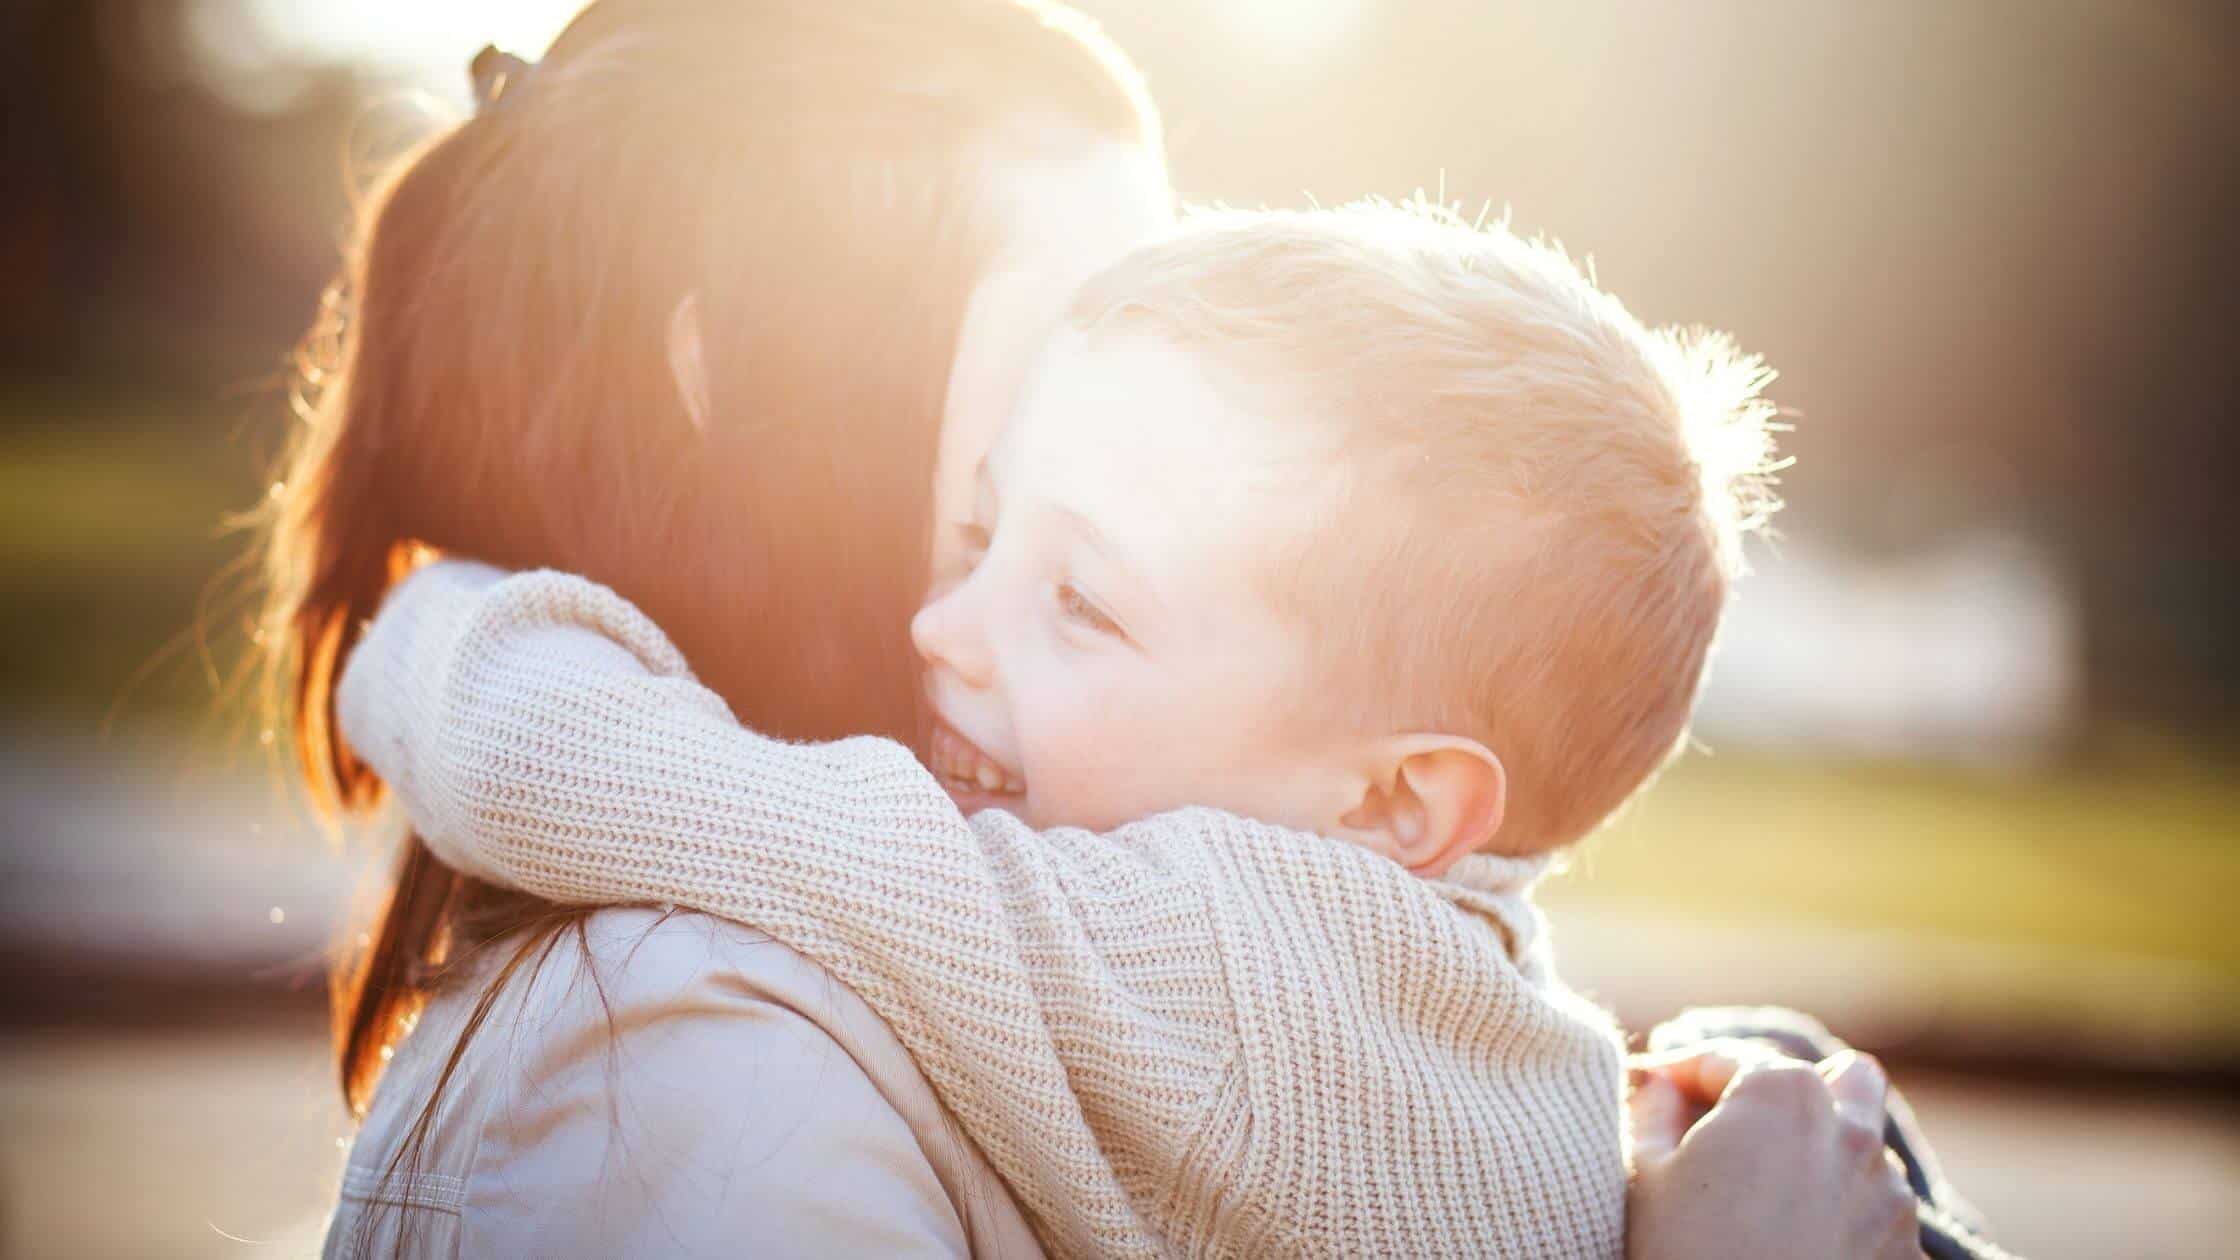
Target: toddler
[[1336, 569]]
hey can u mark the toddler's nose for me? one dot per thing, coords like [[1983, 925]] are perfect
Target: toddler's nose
[[948, 633]]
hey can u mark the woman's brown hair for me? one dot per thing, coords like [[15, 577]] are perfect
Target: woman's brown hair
[[491, 376]]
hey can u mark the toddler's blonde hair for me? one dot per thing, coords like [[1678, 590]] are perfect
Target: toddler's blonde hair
[[1535, 503]]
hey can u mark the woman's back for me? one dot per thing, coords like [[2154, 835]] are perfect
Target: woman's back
[[695, 1089]]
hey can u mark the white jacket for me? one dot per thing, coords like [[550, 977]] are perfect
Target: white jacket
[[697, 1089]]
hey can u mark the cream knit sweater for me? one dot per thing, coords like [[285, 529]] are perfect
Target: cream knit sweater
[[1195, 1035]]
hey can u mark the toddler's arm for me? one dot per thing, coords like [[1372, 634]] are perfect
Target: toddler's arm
[[542, 733]]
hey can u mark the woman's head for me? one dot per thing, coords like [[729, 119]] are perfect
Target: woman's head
[[785, 211], [830, 182]]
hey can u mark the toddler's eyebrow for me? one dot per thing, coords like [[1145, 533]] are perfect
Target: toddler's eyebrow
[[984, 479], [1112, 555]]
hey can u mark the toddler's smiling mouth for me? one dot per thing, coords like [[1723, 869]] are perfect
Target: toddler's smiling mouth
[[966, 772]]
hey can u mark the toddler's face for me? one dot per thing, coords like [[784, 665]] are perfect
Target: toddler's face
[[1067, 218], [1101, 650]]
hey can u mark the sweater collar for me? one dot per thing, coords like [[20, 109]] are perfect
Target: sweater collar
[[1494, 873], [1498, 889]]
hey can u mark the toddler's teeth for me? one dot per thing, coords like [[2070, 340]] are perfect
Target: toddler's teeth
[[990, 777]]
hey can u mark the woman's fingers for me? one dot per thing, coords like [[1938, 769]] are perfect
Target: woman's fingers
[[1818, 1125], [1703, 1071], [1660, 1116], [1861, 1089], [1783, 1095], [1904, 1220], [1788, 1162]]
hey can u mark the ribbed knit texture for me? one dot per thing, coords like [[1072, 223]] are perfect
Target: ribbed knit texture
[[1195, 1035]]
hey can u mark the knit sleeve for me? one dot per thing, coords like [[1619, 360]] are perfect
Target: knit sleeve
[[543, 733]]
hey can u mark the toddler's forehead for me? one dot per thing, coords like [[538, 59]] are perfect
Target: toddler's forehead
[[1148, 440]]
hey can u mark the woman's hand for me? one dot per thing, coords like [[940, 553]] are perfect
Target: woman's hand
[[1743, 1154]]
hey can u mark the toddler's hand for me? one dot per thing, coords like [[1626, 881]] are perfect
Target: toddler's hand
[[1787, 1160]]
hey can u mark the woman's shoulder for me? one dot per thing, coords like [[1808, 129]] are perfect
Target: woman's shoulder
[[631, 954], [640, 961], [704, 1078], [534, 1027]]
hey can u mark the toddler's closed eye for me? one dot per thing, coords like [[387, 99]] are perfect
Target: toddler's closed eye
[[1078, 608]]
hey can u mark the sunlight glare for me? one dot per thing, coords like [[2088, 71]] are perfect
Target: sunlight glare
[[426, 41], [1294, 31]]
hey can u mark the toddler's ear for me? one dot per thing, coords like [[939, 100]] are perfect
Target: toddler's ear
[[688, 360], [1430, 801]]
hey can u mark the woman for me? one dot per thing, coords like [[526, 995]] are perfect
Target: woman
[[625, 321]]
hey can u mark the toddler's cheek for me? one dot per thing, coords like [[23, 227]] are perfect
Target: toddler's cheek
[[1057, 800], [1084, 792], [1101, 746]]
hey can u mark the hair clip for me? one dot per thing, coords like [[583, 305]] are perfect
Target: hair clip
[[494, 73]]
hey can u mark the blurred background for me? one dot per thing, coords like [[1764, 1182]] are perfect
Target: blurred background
[[1966, 783]]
